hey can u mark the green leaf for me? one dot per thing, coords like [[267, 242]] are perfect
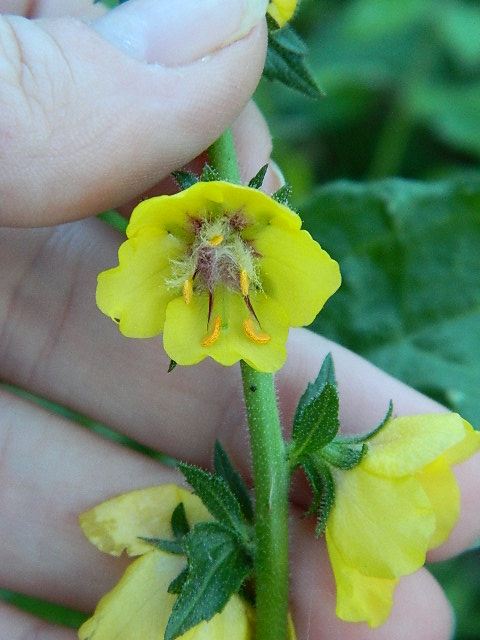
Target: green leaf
[[323, 486], [171, 366], [209, 174], [410, 298], [185, 179], [285, 62], [217, 496], [114, 219], [343, 456], [365, 437], [217, 567], [316, 425], [450, 112], [283, 194], [257, 181], [177, 584], [325, 376], [225, 470], [169, 546], [179, 522]]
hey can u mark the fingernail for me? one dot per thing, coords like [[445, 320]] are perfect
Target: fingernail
[[176, 32]]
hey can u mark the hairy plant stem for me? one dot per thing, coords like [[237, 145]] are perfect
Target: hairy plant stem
[[271, 478], [271, 473]]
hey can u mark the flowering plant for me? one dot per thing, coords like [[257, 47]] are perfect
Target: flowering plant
[[223, 270]]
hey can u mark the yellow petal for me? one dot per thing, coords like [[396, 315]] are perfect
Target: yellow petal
[[359, 597], [381, 526], [134, 294], [407, 444], [139, 606], [295, 272], [282, 10], [466, 447], [165, 214], [209, 200], [441, 487], [117, 524], [186, 327]]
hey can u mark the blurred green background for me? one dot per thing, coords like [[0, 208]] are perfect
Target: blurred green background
[[384, 171]]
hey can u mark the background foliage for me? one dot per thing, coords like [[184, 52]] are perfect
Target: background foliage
[[384, 171], [385, 174]]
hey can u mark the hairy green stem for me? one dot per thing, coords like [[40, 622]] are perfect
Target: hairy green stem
[[222, 157], [271, 479], [271, 474]]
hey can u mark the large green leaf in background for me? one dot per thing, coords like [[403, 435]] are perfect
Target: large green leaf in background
[[410, 299]]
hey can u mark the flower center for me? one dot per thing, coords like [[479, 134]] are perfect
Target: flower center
[[218, 255]]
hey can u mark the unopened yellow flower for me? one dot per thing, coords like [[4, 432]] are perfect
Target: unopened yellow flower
[[222, 270], [139, 606], [399, 502], [282, 10]]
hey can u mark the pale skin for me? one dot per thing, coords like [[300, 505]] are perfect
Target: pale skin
[[54, 342]]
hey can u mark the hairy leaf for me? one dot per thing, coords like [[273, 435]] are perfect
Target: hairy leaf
[[217, 567]]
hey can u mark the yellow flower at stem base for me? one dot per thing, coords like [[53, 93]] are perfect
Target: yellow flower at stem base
[[282, 10], [222, 270], [139, 606], [399, 502]]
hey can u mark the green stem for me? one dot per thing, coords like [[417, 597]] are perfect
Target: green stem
[[271, 479], [270, 470], [222, 157]]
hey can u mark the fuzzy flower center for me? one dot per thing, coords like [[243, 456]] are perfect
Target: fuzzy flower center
[[218, 255]]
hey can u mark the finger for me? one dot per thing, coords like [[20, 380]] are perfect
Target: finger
[[16, 625], [53, 9], [420, 609], [75, 469], [87, 127], [253, 146], [50, 321], [55, 342], [50, 472]]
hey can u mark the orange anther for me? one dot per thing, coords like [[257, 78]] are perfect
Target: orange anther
[[213, 334], [258, 336], [244, 284], [187, 291]]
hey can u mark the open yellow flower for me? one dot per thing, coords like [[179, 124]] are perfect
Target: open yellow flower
[[399, 502], [222, 270], [139, 606], [282, 10]]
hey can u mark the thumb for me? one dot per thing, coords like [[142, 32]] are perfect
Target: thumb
[[93, 115]]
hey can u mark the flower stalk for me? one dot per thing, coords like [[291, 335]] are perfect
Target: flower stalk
[[271, 474], [271, 478]]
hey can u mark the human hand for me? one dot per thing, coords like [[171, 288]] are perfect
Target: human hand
[[53, 469], [86, 126], [55, 343]]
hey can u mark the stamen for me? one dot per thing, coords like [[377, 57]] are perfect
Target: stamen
[[216, 240], [244, 283], [187, 290], [213, 334], [210, 306], [258, 336]]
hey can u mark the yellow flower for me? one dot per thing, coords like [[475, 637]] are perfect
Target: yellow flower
[[399, 502], [222, 270], [282, 10], [139, 606]]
